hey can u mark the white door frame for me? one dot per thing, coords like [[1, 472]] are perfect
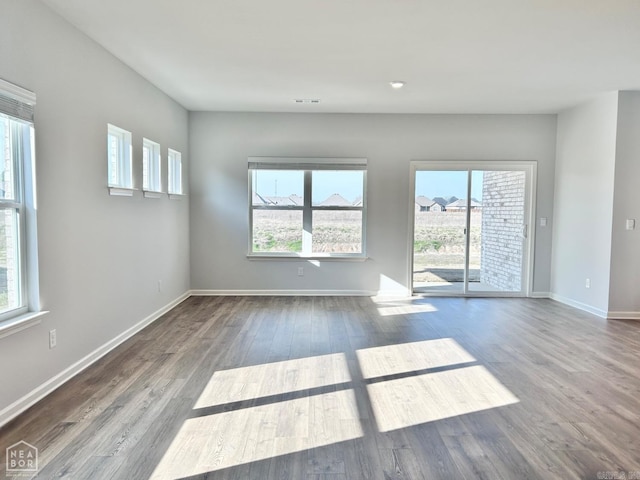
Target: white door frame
[[530, 169]]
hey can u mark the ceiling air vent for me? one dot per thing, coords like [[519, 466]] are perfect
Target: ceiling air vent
[[307, 100]]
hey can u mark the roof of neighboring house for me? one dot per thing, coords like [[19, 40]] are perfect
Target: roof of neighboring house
[[440, 201], [358, 201], [424, 201], [259, 199], [457, 204], [335, 200], [462, 203], [290, 201]]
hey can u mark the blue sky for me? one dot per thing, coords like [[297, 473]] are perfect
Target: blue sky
[[447, 184], [284, 183], [428, 183]]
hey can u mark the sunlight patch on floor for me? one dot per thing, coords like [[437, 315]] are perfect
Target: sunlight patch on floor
[[414, 400], [258, 381], [388, 309], [224, 440], [216, 441], [411, 357]]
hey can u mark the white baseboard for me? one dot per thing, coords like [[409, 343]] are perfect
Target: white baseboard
[[20, 405], [284, 293], [579, 305], [540, 295], [623, 315], [324, 293], [391, 294]]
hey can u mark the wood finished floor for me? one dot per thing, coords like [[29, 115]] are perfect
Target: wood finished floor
[[341, 388]]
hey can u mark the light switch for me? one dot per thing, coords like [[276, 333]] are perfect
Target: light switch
[[631, 224], [543, 221]]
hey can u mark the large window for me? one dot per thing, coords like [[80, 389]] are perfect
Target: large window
[[18, 251], [307, 207]]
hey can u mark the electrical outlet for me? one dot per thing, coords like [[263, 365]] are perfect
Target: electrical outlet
[[587, 283], [53, 338], [543, 221], [301, 271]]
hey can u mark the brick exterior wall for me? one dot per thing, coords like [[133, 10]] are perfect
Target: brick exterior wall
[[503, 196]]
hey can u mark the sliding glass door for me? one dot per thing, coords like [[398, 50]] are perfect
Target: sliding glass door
[[439, 246], [470, 227]]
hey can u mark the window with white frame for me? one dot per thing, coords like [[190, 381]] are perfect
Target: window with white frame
[[119, 157], [18, 236], [175, 172], [151, 178], [307, 207]]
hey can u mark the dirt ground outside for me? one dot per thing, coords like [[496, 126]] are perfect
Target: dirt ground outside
[[439, 240], [439, 243]]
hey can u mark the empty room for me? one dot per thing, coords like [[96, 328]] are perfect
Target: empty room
[[314, 240]]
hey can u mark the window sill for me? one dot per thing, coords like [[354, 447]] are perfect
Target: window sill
[[121, 191], [152, 194], [318, 258], [19, 323], [177, 196]]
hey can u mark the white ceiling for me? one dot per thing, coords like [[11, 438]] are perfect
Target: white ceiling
[[456, 56]]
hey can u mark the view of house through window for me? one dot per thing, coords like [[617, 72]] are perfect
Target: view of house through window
[[15, 148], [10, 140], [307, 208]]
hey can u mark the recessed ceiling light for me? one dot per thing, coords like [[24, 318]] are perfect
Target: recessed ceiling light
[[396, 84]]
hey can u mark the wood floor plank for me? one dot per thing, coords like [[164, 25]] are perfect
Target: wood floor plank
[[350, 388]]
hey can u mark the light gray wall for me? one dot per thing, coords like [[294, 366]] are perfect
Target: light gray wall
[[624, 293], [221, 142], [584, 185], [100, 256]]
